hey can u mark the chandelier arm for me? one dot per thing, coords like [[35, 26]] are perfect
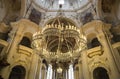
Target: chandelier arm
[[54, 21], [47, 42], [52, 42], [58, 21], [59, 43], [78, 42], [67, 43]]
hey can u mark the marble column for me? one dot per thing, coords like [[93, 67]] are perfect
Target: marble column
[[53, 75]]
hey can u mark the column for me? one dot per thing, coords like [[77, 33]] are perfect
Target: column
[[53, 75], [80, 70], [70, 71], [43, 72], [15, 36], [75, 73], [85, 68], [49, 72], [109, 53], [33, 67], [38, 73], [66, 74]]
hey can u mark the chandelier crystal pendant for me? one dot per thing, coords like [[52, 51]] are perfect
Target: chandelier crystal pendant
[[59, 42]]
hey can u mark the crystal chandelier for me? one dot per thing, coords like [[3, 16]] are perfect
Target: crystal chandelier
[[59, 42]]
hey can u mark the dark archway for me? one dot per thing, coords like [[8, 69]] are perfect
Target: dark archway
[[4, 36], [1, 48], [100, 73], [26, 42], [18, 72], [116, 38], [95, 43]]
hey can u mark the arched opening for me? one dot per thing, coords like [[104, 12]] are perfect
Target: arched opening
[[26, 42], [100, 73], [4, 36], [18, 72], [116, 38], [1, 48], [95, 43]]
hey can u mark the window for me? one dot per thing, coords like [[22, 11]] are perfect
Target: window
[[61, 1]]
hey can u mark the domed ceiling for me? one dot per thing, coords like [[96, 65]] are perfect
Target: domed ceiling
[[63, 4]]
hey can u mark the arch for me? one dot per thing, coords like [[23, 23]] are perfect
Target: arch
[[90, 37], [18, 72], [13, 7], [100, 73], [26, 42], [28, 35]]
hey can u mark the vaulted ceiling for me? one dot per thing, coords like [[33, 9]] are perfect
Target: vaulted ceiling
[[66, 4], [39, 11]]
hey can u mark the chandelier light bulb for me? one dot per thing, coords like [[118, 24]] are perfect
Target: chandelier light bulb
[[59, 70]]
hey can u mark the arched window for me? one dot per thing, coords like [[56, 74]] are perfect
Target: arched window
[[18, 72], [26, 42], [100, 73], [95, 43]]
